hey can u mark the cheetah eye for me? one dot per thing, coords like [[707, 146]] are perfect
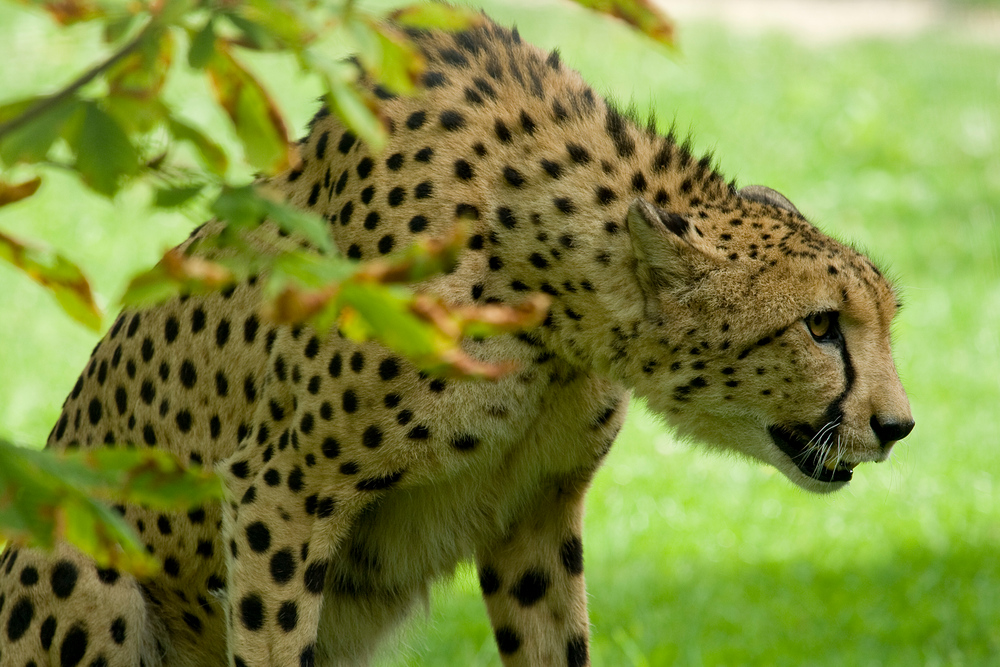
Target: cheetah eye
[[823, 326]]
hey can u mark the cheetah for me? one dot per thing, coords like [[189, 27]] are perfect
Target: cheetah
[[354, 480]]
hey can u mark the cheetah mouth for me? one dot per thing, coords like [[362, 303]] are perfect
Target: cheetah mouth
[[798, 444]]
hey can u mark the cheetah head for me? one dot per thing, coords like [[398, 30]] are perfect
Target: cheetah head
[[778, 336]]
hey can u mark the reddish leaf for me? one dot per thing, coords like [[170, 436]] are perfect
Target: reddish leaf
[[258, 121], [68, 12], [142, 73], [12, 192], [59, 275], [437, 16], [176, 273], [643, 15]]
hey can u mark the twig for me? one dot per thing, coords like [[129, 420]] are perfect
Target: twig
[[46, 103]]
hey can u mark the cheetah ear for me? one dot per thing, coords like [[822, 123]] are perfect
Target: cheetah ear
[[765, 195], [669, 249]]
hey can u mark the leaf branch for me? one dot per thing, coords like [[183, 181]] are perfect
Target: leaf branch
[[52, 101]]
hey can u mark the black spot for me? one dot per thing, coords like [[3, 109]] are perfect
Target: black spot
[[508, 641], [477, 291], [308, 656], [464, 442], [463, 170], [372, 437], [503, 134], [258, 537], [118, 630], [306, 424], [538, 261], [346, 212], [335, 365], [350, 401], [29, 576], [295, 479], [424, 154], [48, 631], [364, 168], [530, 588], [346, 141], [394, 162], [149, 435], [315, 576], [282, 566], [576, 651], [313, 195], [325, 507], [571, 553], [553, 169], [73, 647], [452, 120], [171, 567], [495, 263], [107, 575], [419, 432], [183, 419], [189, 376], [416, 120], [94, 411], [453, 57], [191, 621], [506, 217], [605, 195], [418, 223], [565, 205], [513, 177], [288, 615], [20, 618], [423, 190], [578, 153], [527, 123], [133, 325], [205, 548], [380, 483], [396, 196], [252, 612]]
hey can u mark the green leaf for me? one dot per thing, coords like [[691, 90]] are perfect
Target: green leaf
[[239, 206], [31, 142], [348, 104], [202, 46], [255, 36], [172, 197], [59, 275], [212, 154], [438, 16], [46, 497], [386, 314], [104, 154], [401, 64], [305, 223], [250, 204]]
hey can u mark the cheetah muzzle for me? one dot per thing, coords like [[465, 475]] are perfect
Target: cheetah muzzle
[[354, 480]]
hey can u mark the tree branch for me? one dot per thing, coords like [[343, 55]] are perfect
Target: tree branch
[[46, 103]]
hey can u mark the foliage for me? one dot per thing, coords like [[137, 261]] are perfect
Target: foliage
[[112, 127]]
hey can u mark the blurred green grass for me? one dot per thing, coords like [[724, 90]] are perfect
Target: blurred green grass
[[695, 559]]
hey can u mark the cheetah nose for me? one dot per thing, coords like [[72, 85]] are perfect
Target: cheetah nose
[[890, 430]]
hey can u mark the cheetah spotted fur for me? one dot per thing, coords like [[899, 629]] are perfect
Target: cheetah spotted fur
[[354, 481]]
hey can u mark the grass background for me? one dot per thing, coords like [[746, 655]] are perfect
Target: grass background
[[694, 559]]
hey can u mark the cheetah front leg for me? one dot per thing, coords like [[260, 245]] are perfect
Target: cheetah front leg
[[532, 581]]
